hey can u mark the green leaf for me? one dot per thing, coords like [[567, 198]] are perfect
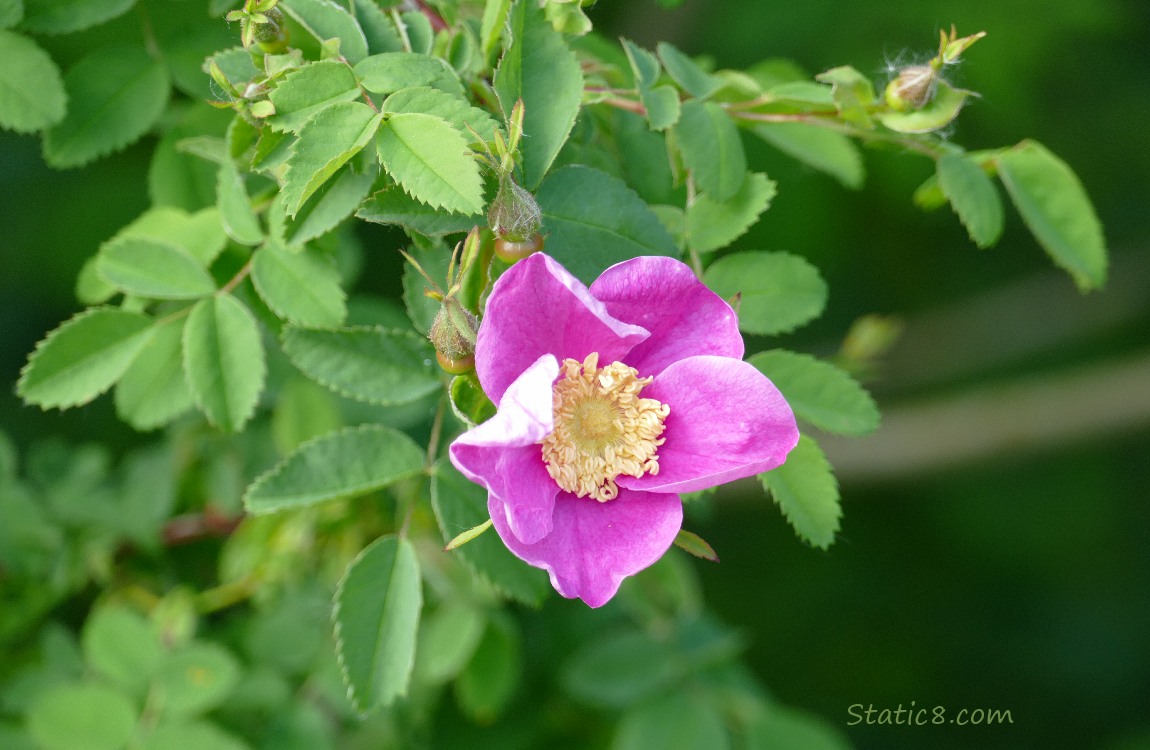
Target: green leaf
[[195, 735], [195, 679], [91, 289], [31, 93], [304, 410], [468, 400], [460, 505], [972, 195], [619, 670], [370, 364], [807, 492], [333, 202], [686, 72], [1057, 210], [83, 357], [224, 361], [642, 155], [928, 196], [66, 16], [853, 93], [377, 28], [376, 618], [713, 224], [392, 71], [201, 234], [11, 13], [825, 150], [454, 109], [491, 27], [678, 721], [115, 95], [325, 20], [711, 148], [81, 715], [177, 178], [310, 89], [938, 113], [428, 157], [153, 390], [325, 144], [805, 95], [301, 287], [819, 392], [393, 206], [418, 30], [695, 545], [150, 268], [237, 67], [347, 463], [540, 69], [447, 641], [489, 681], [660, 102], [778, 291], [236, 214], [594, 220], [119, 644]]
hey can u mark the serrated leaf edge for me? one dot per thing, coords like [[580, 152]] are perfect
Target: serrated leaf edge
[[51, 335], [348, 329], [275, 470], [337, 607]]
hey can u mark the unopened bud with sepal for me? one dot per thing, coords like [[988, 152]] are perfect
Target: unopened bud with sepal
[[453, 334], [514, 214]]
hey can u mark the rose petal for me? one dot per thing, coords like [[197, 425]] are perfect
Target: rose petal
[[538, 308], [503, 453], [727, 421], [685, 318], [594, 546]]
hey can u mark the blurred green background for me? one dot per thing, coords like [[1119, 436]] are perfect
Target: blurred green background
[[994, 549]]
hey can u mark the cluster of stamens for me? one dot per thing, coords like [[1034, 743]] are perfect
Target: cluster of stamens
[[602, 428]]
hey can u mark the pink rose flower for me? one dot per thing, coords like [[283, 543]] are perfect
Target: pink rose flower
[[612, 400]]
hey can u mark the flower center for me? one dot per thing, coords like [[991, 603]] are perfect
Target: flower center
[[602, 428]]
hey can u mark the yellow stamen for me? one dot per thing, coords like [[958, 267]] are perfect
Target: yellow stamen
[[602, 428]]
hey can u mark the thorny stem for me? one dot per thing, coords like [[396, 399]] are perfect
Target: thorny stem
[[819, 119], [824, 120]]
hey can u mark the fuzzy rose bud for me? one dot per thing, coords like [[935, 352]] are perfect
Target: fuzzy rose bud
[[912, 89], [514, 214], [270, 30], [453, 332]]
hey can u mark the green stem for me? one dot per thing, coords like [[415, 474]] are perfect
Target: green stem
[[226, 594]]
